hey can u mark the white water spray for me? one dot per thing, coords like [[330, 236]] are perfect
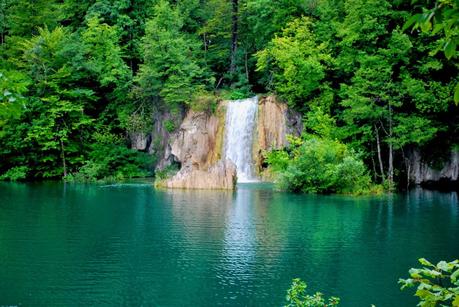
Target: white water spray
[[240, 124]]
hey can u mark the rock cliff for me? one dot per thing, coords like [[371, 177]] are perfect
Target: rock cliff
[[199, 140], [197, 145], [275, 122], [423, 173]]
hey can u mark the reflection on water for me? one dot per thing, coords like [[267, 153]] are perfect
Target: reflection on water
[[131, 245], [238, 255]]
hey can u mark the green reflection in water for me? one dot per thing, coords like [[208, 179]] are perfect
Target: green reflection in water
[[128, 244]]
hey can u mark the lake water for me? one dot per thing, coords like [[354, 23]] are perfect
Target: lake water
[[131, 245]]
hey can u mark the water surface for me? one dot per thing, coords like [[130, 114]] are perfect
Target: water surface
[[128, 244]]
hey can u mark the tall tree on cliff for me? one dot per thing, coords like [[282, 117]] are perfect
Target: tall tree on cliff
[[234, 34], [172, 71]]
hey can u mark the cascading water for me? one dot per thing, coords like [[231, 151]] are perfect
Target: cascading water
[[240, 124]]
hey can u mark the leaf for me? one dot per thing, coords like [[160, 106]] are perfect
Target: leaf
[[425, 262], [411, 21], [455, 275], [450, 49], [455, 303], [443, 265], [456, 94], [437, 28]]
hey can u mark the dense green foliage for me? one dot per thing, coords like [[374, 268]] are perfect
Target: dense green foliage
[[298, 297], [437, 285], [387, 91], [320, 165], [72, 69], [443, 18]]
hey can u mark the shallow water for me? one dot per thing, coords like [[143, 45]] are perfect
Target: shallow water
[[128, 244]]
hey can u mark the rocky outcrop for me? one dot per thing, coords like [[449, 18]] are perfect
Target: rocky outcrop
[[197, 145], [220, 176], [156, 139], [275, 122], [422, 172], [199, 140], [139, 140]]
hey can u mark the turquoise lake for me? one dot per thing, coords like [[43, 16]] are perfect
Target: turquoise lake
[[131, 245]]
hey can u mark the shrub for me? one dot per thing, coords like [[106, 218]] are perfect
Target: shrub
[[204, 101], [168, 172], [436, 284], [277, 160], [15, 173], [111, 159], [318, 165], [169, 125], [298, 297]]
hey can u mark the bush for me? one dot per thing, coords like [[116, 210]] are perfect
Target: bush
[[110, 159], [169, 125], [436, 284], [15, 173], [317, 165], [277, 160], [297, 297], [204, 101]]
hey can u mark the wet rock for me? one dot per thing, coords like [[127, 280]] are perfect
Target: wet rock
[[220, 176]]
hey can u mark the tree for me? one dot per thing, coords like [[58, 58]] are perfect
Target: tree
[[56, 111], [297, 60], [172, 70], [103, 60]]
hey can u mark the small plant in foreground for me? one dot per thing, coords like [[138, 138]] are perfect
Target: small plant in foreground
[[437, 285], [297, 297]]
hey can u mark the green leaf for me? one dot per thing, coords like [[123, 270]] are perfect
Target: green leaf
[[443, 265], [455, 275], [425, 262], [411, 21], [455, 303], [450, 49], [437, 28], [456, 94]]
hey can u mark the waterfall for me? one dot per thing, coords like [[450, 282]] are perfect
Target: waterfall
[[241, 116]]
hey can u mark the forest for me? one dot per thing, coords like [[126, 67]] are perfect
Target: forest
[[76, 77]]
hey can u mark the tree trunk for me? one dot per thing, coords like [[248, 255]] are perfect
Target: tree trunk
[[63, 158], [373, 164], [234, 35], [390, 172], [378, 147], [246, 67]]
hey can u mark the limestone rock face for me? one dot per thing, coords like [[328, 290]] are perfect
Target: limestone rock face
[[275, 122], [421, 172], [220, 176], [197, 143], [271, 126], [139, 140], [155, 141]]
